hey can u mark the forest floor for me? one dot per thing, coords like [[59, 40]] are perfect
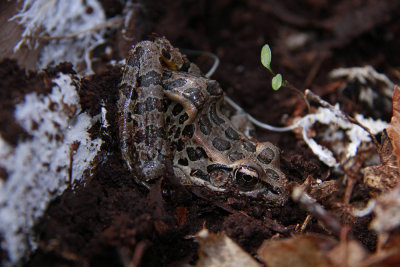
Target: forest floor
[[111, 221]]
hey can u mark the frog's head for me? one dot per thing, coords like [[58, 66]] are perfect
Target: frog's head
[[255, 175]]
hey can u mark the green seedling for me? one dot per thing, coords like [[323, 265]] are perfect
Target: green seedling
[[277, 81], [266, 57], [266, 61]]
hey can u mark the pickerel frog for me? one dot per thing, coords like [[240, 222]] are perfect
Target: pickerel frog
[[170, 112]]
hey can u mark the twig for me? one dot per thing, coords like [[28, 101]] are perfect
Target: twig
[[316, 210], [305, 223]]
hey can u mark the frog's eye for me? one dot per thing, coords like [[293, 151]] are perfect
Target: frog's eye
[[246, 177]]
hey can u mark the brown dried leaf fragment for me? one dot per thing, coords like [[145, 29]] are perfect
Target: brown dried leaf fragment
[[300, 251], [311, 251], [385, 176], [394, 128], [219, 250]]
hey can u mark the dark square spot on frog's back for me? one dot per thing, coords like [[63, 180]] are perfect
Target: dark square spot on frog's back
[[191, 152], [140, 108], [170, 85], [188, 131], [180, 145], [183, 162], [221, 144], [177, 109], [133, 62], [136, 54], [195, 153], [150, 78], [204, 125]]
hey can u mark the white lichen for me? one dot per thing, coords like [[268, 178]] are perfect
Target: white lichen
[[38, 169], [70, 29], [364, 75], [355, 133]]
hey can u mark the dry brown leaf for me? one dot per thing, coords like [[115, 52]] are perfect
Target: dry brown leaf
[[300, 251], [394, 127], [386, 175], [219, 250], [311, 251]]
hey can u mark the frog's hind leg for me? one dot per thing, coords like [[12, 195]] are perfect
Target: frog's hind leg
[[141, 126]]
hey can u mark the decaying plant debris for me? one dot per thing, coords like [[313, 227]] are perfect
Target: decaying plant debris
[[341, 159]]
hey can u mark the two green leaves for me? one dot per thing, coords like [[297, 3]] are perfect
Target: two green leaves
[[266, 61]]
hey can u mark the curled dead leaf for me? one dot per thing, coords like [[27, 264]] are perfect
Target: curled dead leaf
[[394, 128], [311, 251], [300, 251], [386, 175], [219, 250]]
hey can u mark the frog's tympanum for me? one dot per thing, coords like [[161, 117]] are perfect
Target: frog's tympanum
[[170, 112]]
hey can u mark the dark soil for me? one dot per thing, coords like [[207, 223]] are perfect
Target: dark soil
[[111, 221]]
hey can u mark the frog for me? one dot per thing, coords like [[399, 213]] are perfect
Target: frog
[[171, 114]]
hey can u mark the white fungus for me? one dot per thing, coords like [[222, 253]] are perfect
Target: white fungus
[[38, 168], [69, 29]]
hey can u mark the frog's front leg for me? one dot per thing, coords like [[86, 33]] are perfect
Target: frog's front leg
[[141, 108]]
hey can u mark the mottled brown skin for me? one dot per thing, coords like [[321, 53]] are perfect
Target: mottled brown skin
[[170, 112]]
